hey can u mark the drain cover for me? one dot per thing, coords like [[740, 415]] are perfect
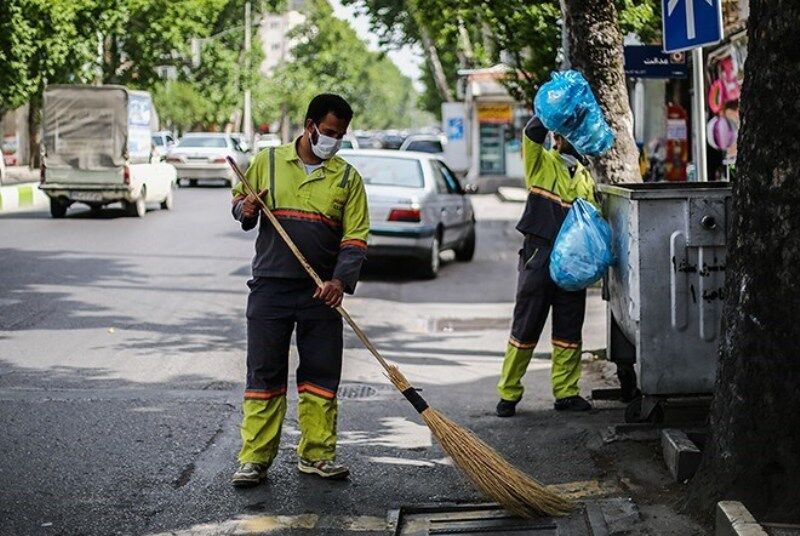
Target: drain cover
[[355, 391], [590, 519]]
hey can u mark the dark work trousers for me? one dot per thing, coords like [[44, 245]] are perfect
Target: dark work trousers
[[274, 308], [536, 295]]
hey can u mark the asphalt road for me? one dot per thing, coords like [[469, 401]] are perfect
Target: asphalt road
[[122, 365]]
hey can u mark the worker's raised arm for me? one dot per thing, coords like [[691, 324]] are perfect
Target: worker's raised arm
[[533, 152], [355, 228]]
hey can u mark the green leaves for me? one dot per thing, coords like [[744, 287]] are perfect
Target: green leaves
[[329, 57]]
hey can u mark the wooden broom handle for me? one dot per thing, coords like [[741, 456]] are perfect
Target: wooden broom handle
[[304, 263]]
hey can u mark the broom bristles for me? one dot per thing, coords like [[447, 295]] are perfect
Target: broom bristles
[[486, 468]]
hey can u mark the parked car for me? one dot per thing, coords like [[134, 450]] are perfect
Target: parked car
[[350, 142], [424, 143], [417, 207], [391, 139], [366, 140], [267, 140], [201, 155], [98, 150], [163, 141]]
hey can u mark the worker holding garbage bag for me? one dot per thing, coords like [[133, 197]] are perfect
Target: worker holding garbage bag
[[556, 179]]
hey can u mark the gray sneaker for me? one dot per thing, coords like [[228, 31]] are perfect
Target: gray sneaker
[[249, 474], [324, 469]]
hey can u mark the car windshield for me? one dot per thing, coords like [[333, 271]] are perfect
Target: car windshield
[[347, 144], [203, 141], [425, 146], [388, 171]]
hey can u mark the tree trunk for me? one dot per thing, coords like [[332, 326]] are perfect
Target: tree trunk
[[34, 131], [595, 49], [752, 455], [431, 52]]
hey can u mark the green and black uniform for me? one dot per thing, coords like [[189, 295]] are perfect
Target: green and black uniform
[[325, 214], [552, 187]]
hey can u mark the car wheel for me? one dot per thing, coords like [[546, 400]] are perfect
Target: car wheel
[[429, 266], [466, 250], [136, 208], [58, 207], [167, 203], [192, 182]]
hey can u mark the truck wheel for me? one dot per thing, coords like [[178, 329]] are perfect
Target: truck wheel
[[167, 203], [58, 207], [466, 250], [136, 208], [429, 266]]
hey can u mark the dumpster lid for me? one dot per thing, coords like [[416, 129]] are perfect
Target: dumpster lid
[[667, 190]]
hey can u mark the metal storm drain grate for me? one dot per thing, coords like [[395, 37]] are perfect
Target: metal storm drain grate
[[356, 391], [449, 325], [592, 518]]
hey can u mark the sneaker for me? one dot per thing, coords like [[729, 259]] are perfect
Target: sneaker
[[506, 408], [249, 474], [324, 469], [572, 403]]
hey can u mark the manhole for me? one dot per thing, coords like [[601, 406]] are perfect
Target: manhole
[[356, 391], [449, 325]]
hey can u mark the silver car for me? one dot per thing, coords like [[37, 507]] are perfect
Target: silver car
[[201, 155], [417, 207]]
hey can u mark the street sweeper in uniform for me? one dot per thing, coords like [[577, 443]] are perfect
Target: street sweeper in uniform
[[554, 178], [320, 201]]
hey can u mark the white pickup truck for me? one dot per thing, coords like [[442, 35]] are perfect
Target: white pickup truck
[[98, 150]]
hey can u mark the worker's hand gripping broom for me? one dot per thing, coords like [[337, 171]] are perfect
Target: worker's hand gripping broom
[[489, 471]]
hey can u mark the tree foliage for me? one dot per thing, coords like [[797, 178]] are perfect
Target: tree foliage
[[329, 57], [525, 34]]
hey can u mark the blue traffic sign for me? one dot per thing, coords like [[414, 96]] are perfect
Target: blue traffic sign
[[691, 23]]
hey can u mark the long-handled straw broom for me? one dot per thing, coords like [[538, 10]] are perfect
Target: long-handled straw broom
[[489, 471]]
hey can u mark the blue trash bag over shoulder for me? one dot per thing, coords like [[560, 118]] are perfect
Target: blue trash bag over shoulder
[[567, 106], [582, 251]]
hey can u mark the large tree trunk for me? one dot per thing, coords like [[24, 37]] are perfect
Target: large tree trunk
[[595, 49], [754, 451]]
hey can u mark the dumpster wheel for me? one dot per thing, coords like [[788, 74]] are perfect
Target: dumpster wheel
[[644, 410]]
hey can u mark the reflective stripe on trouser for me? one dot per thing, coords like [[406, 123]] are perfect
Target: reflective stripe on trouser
[[536, 295], [274, 309]]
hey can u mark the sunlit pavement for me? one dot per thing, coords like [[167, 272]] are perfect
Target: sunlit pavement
[[122, 367]]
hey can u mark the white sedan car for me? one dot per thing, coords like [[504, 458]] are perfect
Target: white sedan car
[[417, 207], [201, 155]]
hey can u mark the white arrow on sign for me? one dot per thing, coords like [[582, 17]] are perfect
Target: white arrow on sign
[[690, 33]]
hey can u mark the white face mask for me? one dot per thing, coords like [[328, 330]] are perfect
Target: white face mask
[[326, 146]]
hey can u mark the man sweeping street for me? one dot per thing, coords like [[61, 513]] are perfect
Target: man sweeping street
[[320, 200], [554, 178]]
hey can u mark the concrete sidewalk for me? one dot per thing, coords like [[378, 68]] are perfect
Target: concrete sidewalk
[[19, 175]]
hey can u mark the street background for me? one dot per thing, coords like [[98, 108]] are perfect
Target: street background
[[122, 373]]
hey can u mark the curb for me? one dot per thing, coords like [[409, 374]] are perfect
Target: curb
[[512, 194], [680, 454], [20, 197], [733, 519]]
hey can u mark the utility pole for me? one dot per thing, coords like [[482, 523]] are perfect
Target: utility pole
[[248, 105]]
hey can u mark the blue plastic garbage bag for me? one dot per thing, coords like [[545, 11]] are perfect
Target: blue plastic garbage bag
[[567, 106], [582, 250]]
